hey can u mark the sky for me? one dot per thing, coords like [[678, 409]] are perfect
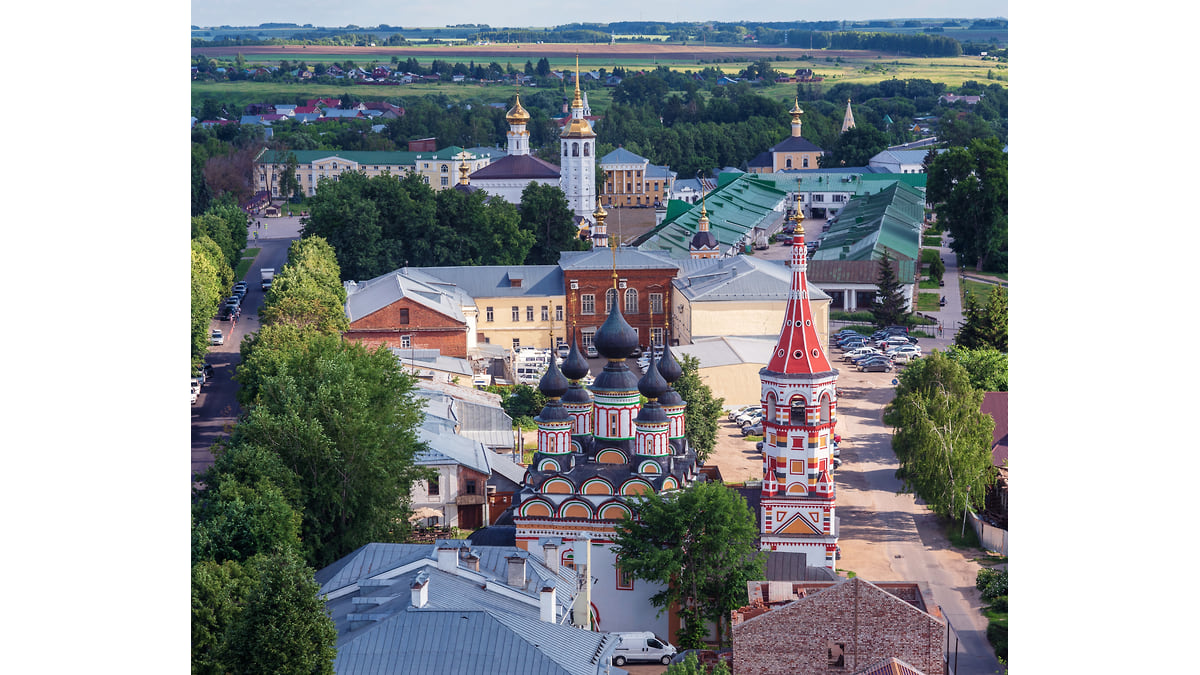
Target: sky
[[427, 13]]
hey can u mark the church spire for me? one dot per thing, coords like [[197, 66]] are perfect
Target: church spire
[[577, 102], [795, 112], [799, 348], [848, 120]]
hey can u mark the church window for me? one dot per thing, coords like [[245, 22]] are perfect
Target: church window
[[564, 149], [824, 408], [771, 407], [574, 149], [631, 301], [797, 411], [587, 149]]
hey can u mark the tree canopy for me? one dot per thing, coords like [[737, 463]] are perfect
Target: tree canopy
[[703, 412], [942, 438], [889, 306], [699, 545], [985, 327], [546, 215], [968, 188]]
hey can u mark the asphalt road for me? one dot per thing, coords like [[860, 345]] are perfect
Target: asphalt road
[[217, 408]]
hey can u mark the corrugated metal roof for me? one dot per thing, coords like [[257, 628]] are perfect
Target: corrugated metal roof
[[494, 281], [728, 351], [622, 156], [738, 278], [627, 259], [734, 209], [366, 297], [447, 448]]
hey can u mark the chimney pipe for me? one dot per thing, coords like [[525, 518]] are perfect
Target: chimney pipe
[[471, 559], [447, 559], [549, 603], [516, 570], [550, 554], [420, 590]]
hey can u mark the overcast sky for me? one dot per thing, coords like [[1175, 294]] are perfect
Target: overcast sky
[[554, 12]]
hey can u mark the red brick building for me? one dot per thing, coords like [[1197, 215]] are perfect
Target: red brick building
[[643, 288], [405, 310], [844, 626]]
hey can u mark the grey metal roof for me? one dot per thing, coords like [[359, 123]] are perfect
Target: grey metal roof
[[487, 424], [450, 448], [627, 259], [738, 278], [433, 360], [727, 351], [456, 641], [492, 281], [622, 156], [366, 297], [504, 466]]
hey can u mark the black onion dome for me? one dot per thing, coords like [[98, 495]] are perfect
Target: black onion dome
[[616, 339], [651, 412], [553, 412], [704, 239], [575, 367], [668, 366], [615, 376], [553, 384], [652, 385], [670, 397]]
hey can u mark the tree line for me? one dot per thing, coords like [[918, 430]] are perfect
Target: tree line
[[382, 223], [218, 237]]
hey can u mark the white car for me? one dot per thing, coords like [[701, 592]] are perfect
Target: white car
[[195, 395], [861, 351], [733, 414], [904, 349], [905, 357], [216, 338]]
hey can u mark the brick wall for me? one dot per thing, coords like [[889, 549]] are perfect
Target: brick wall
[[426, 329], [597, 282], [872, 624]]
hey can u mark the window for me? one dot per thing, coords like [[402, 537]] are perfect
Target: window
[[587, 149], [445, 168], [490, 315], [529, 313], [656, 336], [631, 301], [564, 149], [434, 488], [788, 164], [471, 486], [545, 312], [404, 316], [624, 579], [589, 336], [837, 654], [656, 303], [406, 342], [516, 313], [574, 149], [516, 344], [818, 198], [558, 313], [806, 162], [445, 181], [610, 298], [587, 304]]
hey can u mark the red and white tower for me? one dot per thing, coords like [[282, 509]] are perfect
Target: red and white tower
[[799, 397]]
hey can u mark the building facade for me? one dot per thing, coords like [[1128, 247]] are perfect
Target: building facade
[[642, 291], [578, 165], [794, 152], [438, 169], [631, 180]]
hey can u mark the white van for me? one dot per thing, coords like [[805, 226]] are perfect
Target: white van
[[642, 646]]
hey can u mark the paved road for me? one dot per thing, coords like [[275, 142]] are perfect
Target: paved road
[[217, 408]]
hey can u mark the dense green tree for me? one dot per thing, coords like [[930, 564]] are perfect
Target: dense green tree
[[481, 233], [703, 412], [521, 401], [283, 627], [289, 183], [344, 420], [699, 545], [219, 591], [546, 215], [937, 269], [985, 327], [968, 188], [236, 521], [941, 437], [986, 368], [856, 147], [210, 277], [307, 291], [692, 666], [889, 306]]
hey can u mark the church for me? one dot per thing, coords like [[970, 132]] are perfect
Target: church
[[508, 176]]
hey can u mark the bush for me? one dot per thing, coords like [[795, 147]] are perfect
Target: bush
[[997, 634], [928, 255], [852, 316], [993, 583]]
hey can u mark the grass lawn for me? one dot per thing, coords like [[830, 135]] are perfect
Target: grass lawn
[[928, 283], [928, 240], [243, 266], [250, 252], [928, 302], [978, 289]]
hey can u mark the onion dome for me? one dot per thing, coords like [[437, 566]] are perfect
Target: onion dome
[[668, 367], [652, 385], [518, 114], [703, 239], [553, 384], [575, 367], [615, 339]]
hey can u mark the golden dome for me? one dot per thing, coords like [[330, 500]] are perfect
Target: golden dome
[[600, 213], [796, 108], [578, 128], [518, 115]]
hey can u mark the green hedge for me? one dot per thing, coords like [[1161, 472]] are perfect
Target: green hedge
[[928, 240], [851, 316]]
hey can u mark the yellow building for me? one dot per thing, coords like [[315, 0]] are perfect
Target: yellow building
[[440, 169], [631, 180], [742, 296], [794, 152], [517, 306]]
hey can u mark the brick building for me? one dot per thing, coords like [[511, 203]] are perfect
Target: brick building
[[407, 309], [844, 626], [643, 291]]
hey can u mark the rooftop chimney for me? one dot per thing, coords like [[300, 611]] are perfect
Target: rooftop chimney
[[516, 570], [550, 554], [471, 559], [420, 590], [447, 559], [549, 603]]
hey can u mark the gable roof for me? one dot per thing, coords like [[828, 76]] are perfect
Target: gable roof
[[795, 144], [366, 297], [622, 156], [737, 278], [627, 259], [494, 281], [742, 202], [833, 272]]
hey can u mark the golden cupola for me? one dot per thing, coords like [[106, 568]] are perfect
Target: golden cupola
[[518, 114]]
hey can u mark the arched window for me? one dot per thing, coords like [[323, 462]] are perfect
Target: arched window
[[789, 162], [587, 149], [564, 149], [824, 408], [806, 162], [610, 298], [445, 168], [574, 149], [631, 301], [771, 407], [797, 410]]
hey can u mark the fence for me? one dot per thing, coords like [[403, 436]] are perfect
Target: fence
[[991, 537]]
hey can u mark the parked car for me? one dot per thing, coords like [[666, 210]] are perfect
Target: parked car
[[241, 286], [906, 348], [637, 351], [591, 351], [753, 429], [861, 351], [750, 416], [785, 240], [564, 350], [207, 369], [195, 396], [195, 385], [837, 464], [738, 411], [906, 357], [878, 366], [642, 646], [216, 338]]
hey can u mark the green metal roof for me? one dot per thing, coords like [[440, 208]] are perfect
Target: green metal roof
[[733, 210], [867, 225], [372, 157]]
